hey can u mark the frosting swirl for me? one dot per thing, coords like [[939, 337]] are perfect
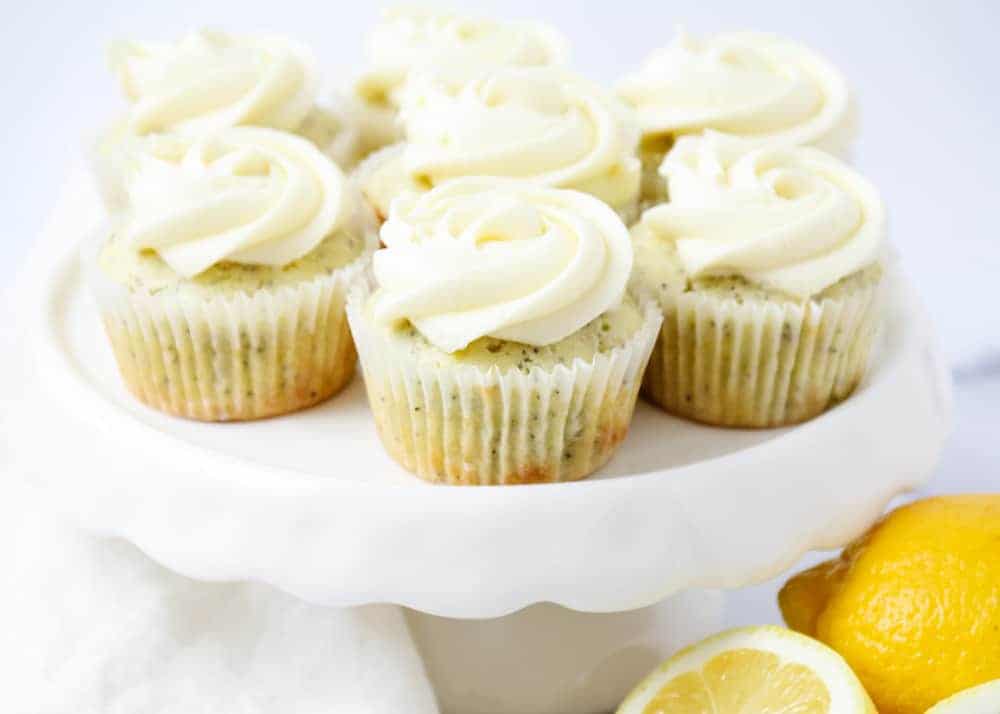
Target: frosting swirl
[[245, 194], [754, 86], [451, 47], [793, 219], [508, 259], [539, 123], [211, 80]]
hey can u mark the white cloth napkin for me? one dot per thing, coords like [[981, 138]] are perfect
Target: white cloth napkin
[[90, 625]]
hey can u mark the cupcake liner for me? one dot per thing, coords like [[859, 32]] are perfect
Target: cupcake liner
[[230, 357], [462, 425], [757, 363]]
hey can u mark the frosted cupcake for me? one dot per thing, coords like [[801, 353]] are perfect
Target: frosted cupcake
[[499, 346], [223, 287], [542, 124], [768, 267], [208, 81], [756, 87], [454, 48]]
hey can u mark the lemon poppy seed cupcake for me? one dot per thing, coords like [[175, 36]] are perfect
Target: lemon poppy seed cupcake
[[540, 123], [208, 81], [222, 288], [755, 87], [768, 266], [498, 345], [454, 48]]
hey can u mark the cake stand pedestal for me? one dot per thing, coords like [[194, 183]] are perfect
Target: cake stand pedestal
[[547, 658]]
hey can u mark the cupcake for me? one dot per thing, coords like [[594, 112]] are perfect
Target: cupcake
[[455, 48], [755, 87], [209, 81], [498, 343], [537, 123], [768, 266], [222, 287]]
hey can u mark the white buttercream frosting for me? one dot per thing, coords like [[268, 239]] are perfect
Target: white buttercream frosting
[[793, 219], [542, 124], [508, 259], [454, 48], [755, 86], [245, 194], [210, 80]]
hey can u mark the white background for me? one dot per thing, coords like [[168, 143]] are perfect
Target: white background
[[925, 74]]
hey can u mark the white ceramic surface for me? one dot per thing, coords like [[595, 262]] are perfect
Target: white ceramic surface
[[311, 504], [547, 659]]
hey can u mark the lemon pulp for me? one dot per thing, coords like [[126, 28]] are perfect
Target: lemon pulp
[[743, 680]]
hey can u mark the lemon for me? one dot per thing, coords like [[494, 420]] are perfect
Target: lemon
[[753, 670], [913, 605], [984, 699]]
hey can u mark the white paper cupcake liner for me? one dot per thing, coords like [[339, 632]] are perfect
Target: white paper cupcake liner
[[459, 424], [234, 356], [761, 364]]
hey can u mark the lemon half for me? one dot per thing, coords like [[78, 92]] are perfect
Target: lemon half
[[752, 670], [984, 699]]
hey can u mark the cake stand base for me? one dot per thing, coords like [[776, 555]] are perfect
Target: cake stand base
[[546, 659]]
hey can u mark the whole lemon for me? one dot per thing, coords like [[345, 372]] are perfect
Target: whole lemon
[[914, 604]]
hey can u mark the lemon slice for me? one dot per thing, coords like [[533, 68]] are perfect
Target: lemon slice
[[984, 699], [752, 670]]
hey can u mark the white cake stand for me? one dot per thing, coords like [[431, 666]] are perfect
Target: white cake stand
[[311, 504]]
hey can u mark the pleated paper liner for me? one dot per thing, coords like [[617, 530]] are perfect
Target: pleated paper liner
[[759, 363], [233, 356], [460, 424]]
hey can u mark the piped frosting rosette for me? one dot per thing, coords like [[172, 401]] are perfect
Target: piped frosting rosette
[[481, 344], [757, 88], [540, 124], [754, 86], [222, 287], [768, 265], [453, 48], [209, 81]]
